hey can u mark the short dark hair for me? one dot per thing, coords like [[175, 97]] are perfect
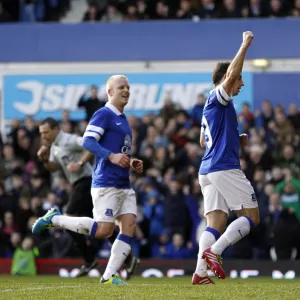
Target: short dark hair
[[51, 122], [219, 71]]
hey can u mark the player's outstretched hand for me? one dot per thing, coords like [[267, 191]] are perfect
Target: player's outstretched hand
[[247, 38], [244, 140], [120, 159], [43, 154], [137, 165]]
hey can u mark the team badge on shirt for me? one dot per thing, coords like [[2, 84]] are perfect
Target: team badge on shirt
[[126, 149], [109, 212]]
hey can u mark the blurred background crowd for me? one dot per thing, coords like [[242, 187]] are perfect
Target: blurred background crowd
[[168, 193], [132, 10]]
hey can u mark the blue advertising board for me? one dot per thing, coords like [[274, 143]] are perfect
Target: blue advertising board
[[279, 88], [48, 95], [148, 40]]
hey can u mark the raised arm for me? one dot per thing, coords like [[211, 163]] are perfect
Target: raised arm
[[236, 66]]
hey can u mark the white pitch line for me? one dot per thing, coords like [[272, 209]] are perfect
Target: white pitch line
[[41, 288]]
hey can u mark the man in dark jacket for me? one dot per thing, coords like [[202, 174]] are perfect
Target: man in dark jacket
[[91, 103]]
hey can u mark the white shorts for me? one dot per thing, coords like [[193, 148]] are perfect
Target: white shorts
[[227, 190], [110, 203]]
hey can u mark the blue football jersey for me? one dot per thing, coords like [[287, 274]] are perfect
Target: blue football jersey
[[112, 130], [220, 127]]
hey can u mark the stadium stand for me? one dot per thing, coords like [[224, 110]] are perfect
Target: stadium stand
[[169, 196], [133, 10]]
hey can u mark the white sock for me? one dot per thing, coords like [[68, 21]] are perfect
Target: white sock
[[234, 232], [81, 225], [119, 251], [206, 240]]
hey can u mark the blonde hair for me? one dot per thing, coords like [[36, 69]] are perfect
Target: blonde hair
[[110, 81]]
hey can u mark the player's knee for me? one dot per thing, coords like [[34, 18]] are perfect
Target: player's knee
[[127, 224], [129, 229], [104, 230], [255, 219], [252, 214]]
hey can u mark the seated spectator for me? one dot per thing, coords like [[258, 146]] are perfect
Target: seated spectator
[[255, 9], [185, 10], [208, 9], [91, 15], [294, 113], [230, 10], [161, 245], [275, 9], [112, 15], [295, 11], [177, 250], [162, 11], [132, 14]]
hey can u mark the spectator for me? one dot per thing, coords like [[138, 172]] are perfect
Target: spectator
[[154, 212], [246, 118], [177, 250], [162, 11], [162, 245], [294, 113], [208, 9], [267, 114], [185, 10], [91, 15], [132, 14], [198, 109], [255, 9], [177, 219], [289, 191], [295, 11], [230, 10], [112, 15], [91, 103], [275, 9]]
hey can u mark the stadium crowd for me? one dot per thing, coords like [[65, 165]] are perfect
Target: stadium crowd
[[116, 10], [133, 10], [168, 193]]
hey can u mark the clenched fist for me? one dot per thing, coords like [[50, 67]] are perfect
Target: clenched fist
[[43, 154], [244, 140], [247, 38], [137, 165]]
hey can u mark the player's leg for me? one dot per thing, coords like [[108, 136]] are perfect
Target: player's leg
[[105, 201], [248, 218], [122, 245], [239, 196], [215, 212], [130, 262], [81, 204]]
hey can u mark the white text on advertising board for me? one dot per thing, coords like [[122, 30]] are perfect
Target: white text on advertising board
[[54, 97]]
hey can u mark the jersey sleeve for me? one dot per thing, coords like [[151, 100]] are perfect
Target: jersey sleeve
[[222, 96], [97, 125], [52, 156], [74, 142]]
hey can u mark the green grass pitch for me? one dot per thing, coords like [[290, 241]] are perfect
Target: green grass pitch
[[180, 288]]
